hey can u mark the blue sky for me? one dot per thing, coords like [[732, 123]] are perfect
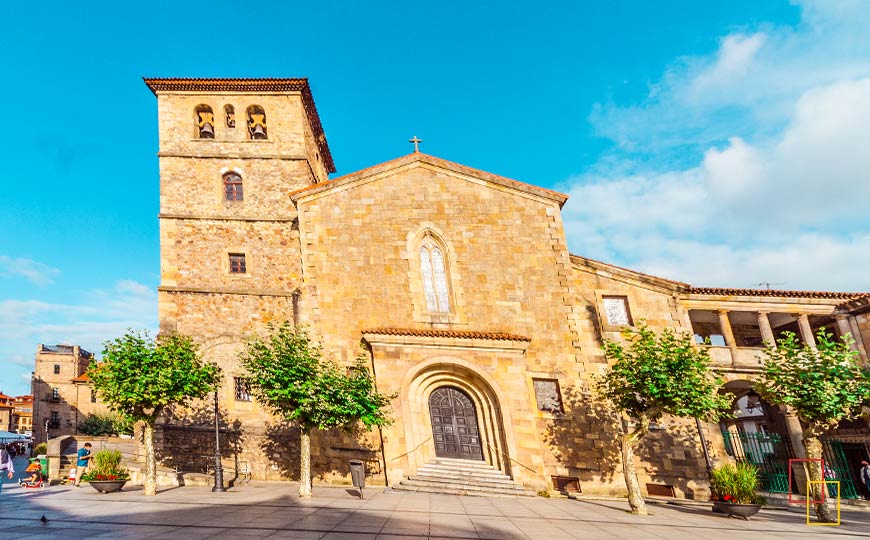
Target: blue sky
[[720, 143]]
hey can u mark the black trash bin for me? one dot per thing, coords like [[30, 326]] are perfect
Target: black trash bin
[[358, 475]]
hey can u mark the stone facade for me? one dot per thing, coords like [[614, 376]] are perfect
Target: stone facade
[[62, 394], [498, 309]]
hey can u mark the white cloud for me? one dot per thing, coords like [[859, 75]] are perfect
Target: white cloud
[[104, 315], [33, 271], [758, 170]]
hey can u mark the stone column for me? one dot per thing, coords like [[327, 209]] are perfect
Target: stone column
[[843, 327], [859, 340], [766, 330], [725, 326], [806, 330]]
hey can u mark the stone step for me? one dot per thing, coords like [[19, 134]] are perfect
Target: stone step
[[483, 475], [500, 483], [465, 463], [461, 489], [457, 469]]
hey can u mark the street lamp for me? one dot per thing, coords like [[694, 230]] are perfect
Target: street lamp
[[218, 469]]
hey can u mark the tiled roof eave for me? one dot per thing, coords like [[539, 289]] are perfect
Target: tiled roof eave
[[449, 334], [825, 295]]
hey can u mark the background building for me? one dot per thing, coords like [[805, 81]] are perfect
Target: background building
[[62, 396]]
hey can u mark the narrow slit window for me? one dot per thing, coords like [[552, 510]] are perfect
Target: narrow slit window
[[230, 113], [237, 263]]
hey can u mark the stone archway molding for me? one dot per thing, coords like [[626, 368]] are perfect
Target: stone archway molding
[[498, 443]]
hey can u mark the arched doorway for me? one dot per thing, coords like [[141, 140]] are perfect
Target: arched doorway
[[454, 424]]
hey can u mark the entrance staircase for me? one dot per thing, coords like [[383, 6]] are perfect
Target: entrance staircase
[[462, 477]]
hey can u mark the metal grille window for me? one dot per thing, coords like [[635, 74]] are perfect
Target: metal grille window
[[55, 419], [55, 394], [57, 369], [237, 263], [233, 187], [93, 396], [243, 389]]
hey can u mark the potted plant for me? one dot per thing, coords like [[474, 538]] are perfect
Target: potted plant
[[734, 490], [106, 474]]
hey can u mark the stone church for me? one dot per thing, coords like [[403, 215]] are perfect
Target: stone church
[[458, 286]]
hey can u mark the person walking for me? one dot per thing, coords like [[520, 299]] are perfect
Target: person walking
[[865, 477], [6, 465], [84, 457]]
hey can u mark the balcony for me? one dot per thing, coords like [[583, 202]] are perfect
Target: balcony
[[744, 358]]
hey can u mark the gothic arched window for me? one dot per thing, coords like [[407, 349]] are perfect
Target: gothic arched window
[[204, 120], [434, 274], [233, 186], [256, 122]]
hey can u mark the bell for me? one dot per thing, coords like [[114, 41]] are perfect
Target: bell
[[206, 131], [258, 132]]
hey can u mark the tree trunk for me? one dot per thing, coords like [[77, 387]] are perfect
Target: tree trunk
[[150, 461], [817, 491], [305, 463], [629, 441]]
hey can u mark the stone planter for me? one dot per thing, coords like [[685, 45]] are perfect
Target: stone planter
[[107, 486], [736, 510]]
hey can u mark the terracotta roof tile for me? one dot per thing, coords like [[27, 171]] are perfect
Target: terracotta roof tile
[[82, 378], [724, 291], [460, 334], [298, 84]]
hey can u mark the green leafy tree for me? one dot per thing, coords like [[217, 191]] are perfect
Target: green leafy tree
[[139, 377], [653, 375], [289, 374], [823, 386]]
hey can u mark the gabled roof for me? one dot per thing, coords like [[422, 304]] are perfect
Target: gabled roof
[[297, 84], [82, 378], [421, 158], [629, 273]]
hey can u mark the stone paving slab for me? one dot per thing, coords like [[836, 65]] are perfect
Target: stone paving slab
[[274, 511]]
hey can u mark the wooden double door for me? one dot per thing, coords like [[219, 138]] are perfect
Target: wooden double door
[[454, 424]]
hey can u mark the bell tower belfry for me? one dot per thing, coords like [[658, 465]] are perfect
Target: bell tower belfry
[[230, 153]]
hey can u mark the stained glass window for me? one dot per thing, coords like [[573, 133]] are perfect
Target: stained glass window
[[434, 276]]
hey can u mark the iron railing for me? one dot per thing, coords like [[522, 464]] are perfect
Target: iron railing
[[769, 452], [837, 468]]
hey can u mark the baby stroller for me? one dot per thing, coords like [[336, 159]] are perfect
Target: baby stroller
[[36, 478]]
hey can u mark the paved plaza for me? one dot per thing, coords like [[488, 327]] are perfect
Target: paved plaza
[[272, 510]]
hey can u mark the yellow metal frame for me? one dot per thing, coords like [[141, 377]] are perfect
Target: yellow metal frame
[[809, 500]]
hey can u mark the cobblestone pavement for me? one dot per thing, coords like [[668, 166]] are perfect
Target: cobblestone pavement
[[272, 510]]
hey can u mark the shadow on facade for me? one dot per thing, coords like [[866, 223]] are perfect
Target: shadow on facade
[[585, 439], [185, 441]]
